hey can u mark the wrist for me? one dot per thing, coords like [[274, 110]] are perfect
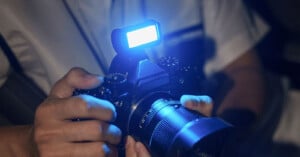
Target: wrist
[[17, 141]]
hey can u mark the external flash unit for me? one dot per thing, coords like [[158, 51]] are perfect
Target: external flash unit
[[142, 36], [136, 37]]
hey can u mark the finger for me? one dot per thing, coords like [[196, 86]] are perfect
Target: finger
[[141, 150], [202, 104], [75, 78], [90, 130], [90, 149], [82, 107], [130, 147], [135, 149]]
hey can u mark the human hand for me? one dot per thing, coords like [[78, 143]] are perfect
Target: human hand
[[135, 149], [202, 104], [57, 134]]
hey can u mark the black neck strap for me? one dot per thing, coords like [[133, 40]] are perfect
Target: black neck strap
[[10, 55]]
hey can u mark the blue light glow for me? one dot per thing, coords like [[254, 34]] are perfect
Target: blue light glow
[[142, 36]]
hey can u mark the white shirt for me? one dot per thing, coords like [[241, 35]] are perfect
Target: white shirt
[[47, 43]]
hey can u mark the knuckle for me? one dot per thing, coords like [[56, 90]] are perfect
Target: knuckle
[[95, 128], [80, 102], [43, 135], [43, 109], [39, 112], [74, 73], [39, 135]]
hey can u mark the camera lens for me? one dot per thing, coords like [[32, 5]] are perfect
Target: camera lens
[[170, 130]]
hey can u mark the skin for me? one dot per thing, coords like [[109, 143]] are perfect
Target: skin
[[55, 134], [60, 136], [135, 149], [248, 91], [17, 141]]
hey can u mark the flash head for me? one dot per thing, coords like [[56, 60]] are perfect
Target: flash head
[[136, 37]]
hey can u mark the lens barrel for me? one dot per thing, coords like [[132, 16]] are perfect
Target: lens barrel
[[170, 130]]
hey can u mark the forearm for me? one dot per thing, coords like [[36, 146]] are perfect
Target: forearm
[[16, 141], [249, 90]]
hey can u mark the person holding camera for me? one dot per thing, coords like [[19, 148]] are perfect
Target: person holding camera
[[36, 33]]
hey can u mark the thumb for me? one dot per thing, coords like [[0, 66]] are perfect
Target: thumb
[[135, 149], [202, 104], [75, 78]]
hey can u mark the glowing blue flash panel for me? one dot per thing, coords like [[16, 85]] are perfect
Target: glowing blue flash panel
[[142, 36]]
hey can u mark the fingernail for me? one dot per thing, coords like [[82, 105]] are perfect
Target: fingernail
[[88, 75], [101, 79], [106, 149], [116, 132], [185, 99], [205, 99]]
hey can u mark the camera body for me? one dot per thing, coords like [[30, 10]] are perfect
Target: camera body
[[149, 112], [146, 96]]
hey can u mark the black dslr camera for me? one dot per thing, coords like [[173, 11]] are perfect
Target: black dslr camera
[[146, 96]]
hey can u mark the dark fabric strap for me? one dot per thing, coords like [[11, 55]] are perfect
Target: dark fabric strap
[[241, 118], [10, 55], [19, 95], [19, 98]]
